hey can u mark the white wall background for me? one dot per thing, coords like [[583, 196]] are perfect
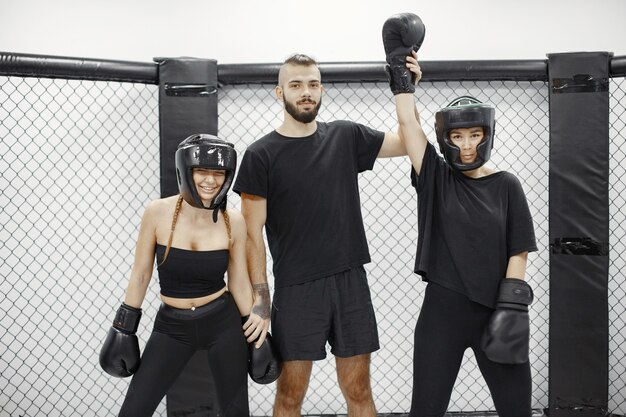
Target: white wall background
[[240, 31]]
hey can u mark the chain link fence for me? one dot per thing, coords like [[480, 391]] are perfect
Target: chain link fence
[[617, 242], [79, 160]]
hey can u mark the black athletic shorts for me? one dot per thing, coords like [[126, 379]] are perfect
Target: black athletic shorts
[[336, 309]]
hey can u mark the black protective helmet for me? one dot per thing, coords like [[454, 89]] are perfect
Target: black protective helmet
[[204, 151], [465, 111]]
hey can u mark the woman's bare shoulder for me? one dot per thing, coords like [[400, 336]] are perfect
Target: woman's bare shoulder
[[161, 207]]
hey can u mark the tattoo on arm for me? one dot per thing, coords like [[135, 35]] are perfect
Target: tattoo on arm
[[262, 294]]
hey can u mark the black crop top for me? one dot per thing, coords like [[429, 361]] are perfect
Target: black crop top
[[189, 274]]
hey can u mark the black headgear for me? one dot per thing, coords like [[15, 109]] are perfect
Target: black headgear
[[204, 151], [465, 111]]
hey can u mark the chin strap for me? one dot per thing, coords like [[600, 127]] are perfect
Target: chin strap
[[221, 207]]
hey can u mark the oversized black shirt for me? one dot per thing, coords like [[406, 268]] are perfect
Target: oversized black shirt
[[314, 224], [469, 228]]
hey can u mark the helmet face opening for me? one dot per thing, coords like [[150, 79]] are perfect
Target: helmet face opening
[[465, 112], [204, 151]]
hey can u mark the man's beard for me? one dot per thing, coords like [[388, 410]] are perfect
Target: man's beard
[[303, 116]]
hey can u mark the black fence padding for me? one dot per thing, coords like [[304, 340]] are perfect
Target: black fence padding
[[579, 234], [187, 105]]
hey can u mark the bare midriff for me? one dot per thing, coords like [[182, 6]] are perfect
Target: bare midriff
[[191, 303]]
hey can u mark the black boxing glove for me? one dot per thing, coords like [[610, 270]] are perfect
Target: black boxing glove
[[264, 363], [119, 356], [506, 337], [402, 33]]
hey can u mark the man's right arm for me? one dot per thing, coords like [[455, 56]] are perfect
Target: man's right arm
[[254, 210]]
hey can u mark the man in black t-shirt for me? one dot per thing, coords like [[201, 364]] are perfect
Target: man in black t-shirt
[[300, 182]]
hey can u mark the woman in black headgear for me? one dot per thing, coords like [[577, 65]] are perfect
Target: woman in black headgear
[[196, 240], [475, 232]]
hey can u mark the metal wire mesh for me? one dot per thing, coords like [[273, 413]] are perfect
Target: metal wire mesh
[[617, 242], [79, 161]]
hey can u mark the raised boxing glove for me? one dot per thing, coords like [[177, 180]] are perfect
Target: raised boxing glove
[[505, 339], [402, 33], [119, 355], [264, 363]]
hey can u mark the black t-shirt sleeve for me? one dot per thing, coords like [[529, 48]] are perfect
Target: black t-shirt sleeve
[[520, 227], [253, 175], [429, 165], [368, 144], [424, 184]]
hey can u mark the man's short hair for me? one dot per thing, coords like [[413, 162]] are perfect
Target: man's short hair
[[300, 59]]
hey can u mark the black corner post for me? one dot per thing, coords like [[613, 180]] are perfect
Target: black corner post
[[579, 233], [187, 105]]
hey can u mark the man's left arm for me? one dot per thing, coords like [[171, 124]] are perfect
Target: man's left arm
[[393, 143], [392, 146]]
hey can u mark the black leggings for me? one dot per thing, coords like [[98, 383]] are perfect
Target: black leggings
[[177, 335], [448, 324]]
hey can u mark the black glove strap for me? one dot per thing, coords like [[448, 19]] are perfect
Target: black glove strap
[[515, 291], [401, 80], [127, 319]]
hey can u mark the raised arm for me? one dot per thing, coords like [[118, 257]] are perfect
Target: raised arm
[[410, 128], [254, 210]]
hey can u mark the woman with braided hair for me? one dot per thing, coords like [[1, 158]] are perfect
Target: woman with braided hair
[[196, 240]]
